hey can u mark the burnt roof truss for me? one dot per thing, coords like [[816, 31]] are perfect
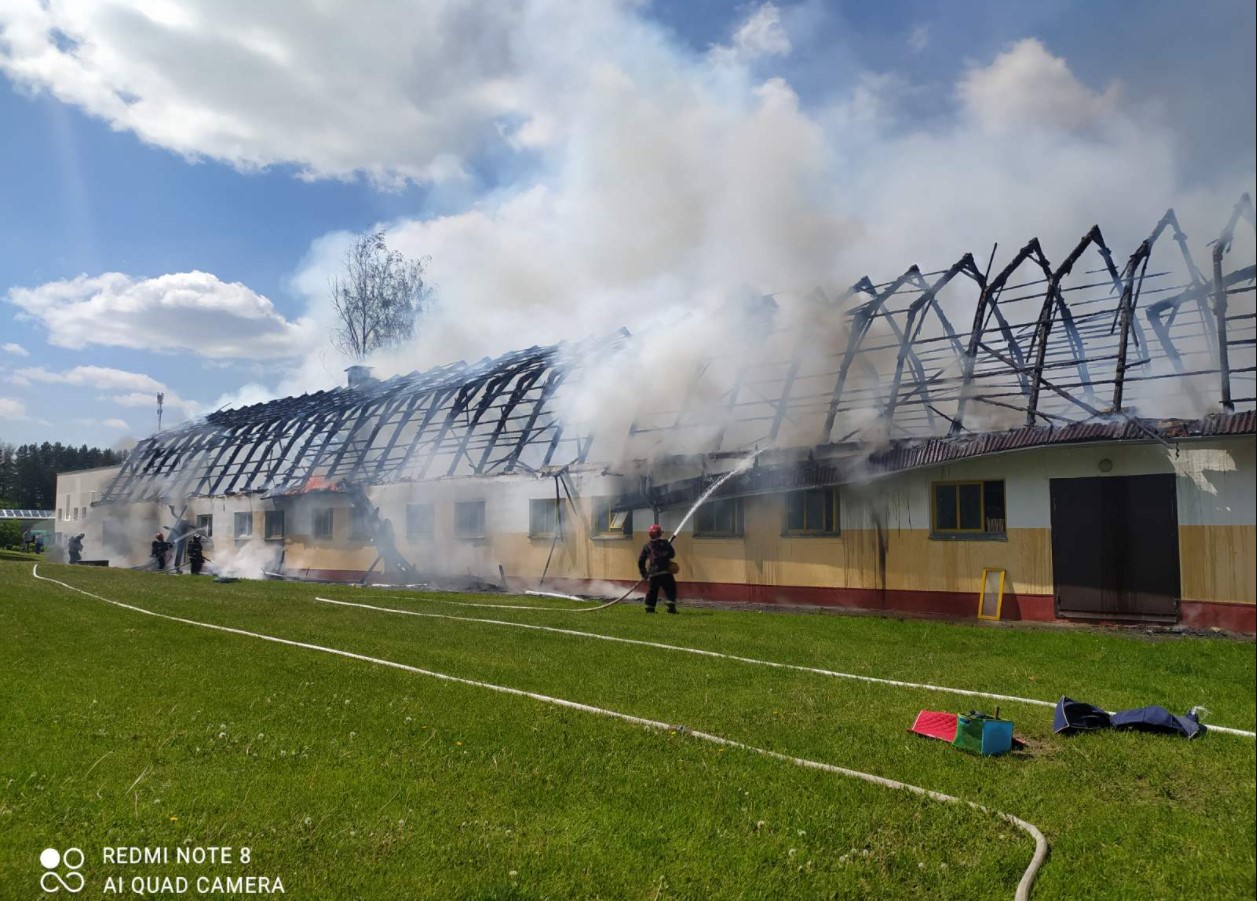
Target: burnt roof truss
[[1049, 345]]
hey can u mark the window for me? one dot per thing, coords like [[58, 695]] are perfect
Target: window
[[244, 525], [719, 519], [610, 523], [812, 512], [58, 513], [971, 509], [274, 524], [469, 519], [321, 526], [545, 518], [205, 525], [420, 521], [360, 526]]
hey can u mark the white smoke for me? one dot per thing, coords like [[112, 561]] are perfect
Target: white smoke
[[643, 184], [672, 187]]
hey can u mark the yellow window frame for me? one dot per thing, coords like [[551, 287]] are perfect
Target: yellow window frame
[[607, 522], [999, 598], [738, 523], [934, 486], [807, 529]]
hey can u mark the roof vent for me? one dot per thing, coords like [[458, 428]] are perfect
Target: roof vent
[[359, 376]]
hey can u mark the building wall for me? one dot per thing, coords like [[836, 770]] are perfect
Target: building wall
[[884, 557], [75, 515], [886, 553]]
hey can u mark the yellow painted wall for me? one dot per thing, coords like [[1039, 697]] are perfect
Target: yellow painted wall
[[1218, 560], [914, 562], [1219, 563], [307, 553], [763, 556]]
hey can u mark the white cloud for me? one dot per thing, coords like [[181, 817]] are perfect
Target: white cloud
[[760, 34], [650, 180], [1026, 87], [673, 184], [919, 38], [13, 410], [101, 377], [182, 312], [397, 90], [141, 390], [144, 399], [16, 350], [116, 424]]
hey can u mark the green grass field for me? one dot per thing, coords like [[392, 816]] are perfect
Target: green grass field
[[348, 779]]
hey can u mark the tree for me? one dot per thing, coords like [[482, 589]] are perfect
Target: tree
[[379, 298], [28, 472]]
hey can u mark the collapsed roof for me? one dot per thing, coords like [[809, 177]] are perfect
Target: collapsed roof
[[1050, 346]]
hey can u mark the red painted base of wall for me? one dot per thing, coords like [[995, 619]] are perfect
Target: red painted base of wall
[[1209, 615], [950, 604]]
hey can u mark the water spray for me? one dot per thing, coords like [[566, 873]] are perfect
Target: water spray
[[742, 467]]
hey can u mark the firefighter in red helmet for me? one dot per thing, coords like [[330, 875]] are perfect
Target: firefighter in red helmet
[[655, 563]]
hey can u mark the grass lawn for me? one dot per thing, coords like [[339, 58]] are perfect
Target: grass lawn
[[348, 780]]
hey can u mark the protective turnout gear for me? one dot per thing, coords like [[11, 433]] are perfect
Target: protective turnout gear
[[196, 554], [160, 547], [655, 563]]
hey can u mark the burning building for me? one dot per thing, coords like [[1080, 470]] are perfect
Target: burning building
[[1082, 429]]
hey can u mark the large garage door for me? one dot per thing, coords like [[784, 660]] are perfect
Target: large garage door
[[1115, 547]]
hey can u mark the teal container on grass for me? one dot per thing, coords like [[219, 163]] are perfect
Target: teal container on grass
[[982, 734]]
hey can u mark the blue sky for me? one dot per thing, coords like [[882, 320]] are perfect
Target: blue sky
[[178, 177]]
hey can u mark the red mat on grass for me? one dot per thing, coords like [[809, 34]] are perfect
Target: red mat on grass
[[933, 724]]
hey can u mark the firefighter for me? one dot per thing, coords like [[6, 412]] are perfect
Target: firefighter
[[160, 547], [75, 547], [655, 563], [196, 554]]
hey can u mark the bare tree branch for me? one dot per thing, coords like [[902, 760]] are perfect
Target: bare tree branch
[[379, 298]]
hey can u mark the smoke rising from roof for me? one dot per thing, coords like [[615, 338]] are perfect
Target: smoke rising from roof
[[673, 185], [641, 183]]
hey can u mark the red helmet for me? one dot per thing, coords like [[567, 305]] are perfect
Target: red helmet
[[655, 531]]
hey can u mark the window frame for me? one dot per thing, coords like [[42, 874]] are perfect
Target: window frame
[[834, 504], [600, 522], [430, 531], [237, 519], [554, 509], [270, 516], [462, 535], [358, 526], [984, 532], [316, 522], [205, 524], [738, 519]]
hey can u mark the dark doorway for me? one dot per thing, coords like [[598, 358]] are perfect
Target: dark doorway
[[1115, 548]]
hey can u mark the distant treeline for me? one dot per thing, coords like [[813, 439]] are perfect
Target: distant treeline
[[28, 472]]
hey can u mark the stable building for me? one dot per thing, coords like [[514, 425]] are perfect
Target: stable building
[[1069, 440]]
